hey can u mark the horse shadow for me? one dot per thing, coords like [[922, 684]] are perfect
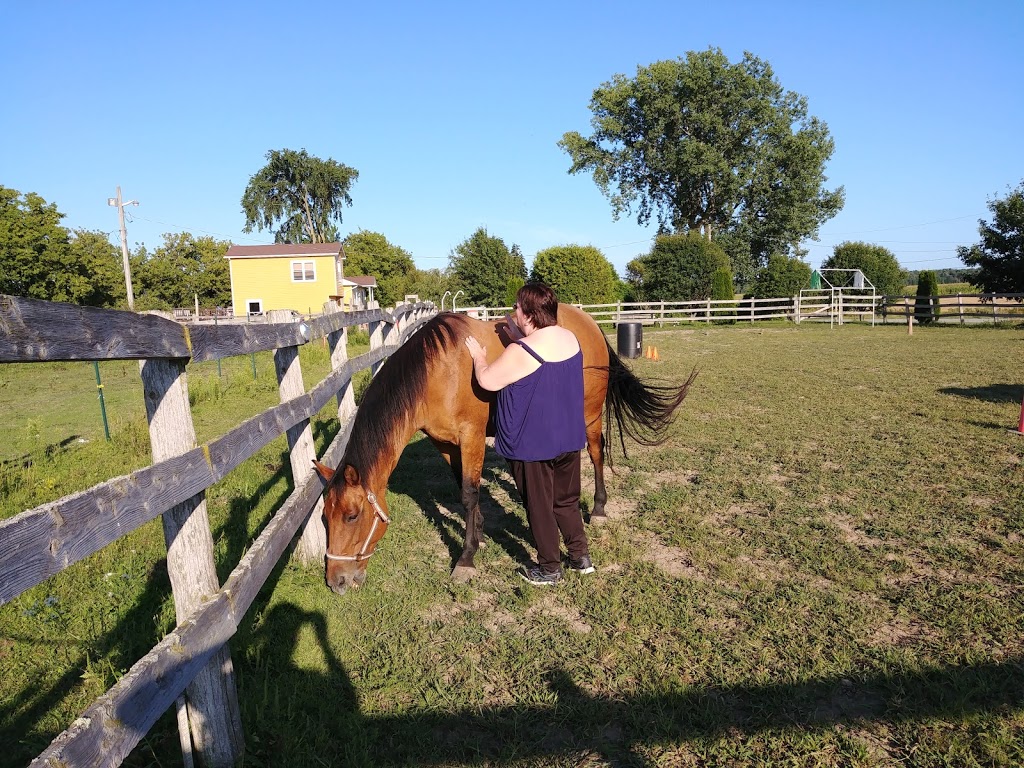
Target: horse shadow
[[424, 476]]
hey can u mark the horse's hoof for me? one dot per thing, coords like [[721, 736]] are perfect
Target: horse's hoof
[[598, 519], [463, 573]]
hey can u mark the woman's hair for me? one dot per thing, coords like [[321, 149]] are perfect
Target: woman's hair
[[539, 304]]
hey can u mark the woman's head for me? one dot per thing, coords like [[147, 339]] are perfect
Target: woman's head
[[538, 304]]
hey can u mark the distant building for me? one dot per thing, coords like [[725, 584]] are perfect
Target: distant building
[[285, 276], [356, 292]]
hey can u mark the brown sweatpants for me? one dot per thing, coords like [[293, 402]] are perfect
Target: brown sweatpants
[[551, 494]]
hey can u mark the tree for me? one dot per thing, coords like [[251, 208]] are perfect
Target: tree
[[481, 266], [999, 256], [300, 194], [428, 284], [781, 276], [680, 268], [578, 274], [181, 269], [878, 264], [101, 261], [707, 146], [926, 304], [370, 253]]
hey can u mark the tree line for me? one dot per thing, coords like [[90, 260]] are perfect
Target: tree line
[[727, 162]]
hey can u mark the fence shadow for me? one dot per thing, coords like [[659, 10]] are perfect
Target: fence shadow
[[324, 715]]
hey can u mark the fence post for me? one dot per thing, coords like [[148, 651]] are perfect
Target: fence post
[[376, 342], [213, 713], [337, 341], [960, 307], [995, 310], [301, 451], [796, 309]]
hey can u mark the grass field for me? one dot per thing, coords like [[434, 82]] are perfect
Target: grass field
[[823, 566]]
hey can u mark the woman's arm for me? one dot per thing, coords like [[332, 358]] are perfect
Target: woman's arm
[[513, 364]]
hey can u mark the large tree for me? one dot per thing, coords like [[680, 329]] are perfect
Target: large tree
[[878, 264], [370, 253], [999, 256], [300, 194], [708, 146], [578, 274], [482, 266]]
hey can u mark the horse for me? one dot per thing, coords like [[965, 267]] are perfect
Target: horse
[[427, 384]]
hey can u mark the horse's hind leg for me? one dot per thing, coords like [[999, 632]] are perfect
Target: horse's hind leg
[[595, 447], [472, 450]]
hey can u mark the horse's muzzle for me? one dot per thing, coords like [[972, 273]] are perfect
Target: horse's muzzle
[[339, 580]]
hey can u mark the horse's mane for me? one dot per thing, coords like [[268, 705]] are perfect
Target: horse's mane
[[397, 389]]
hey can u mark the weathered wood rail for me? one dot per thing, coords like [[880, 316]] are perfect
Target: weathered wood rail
[[41, 542]]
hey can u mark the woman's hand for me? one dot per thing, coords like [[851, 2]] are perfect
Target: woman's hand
[[476, 351]]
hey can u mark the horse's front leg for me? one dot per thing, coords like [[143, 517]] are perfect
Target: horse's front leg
[[472, 468]]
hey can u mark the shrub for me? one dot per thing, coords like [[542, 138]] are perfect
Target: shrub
[[679, 268], [722, 290], [926, 305]]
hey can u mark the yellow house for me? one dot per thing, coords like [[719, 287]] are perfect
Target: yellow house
[[298, 277]]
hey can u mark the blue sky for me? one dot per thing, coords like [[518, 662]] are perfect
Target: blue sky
[[451, 111]]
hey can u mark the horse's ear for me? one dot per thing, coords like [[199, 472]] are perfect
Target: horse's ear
[[325, 472], [351, 475]]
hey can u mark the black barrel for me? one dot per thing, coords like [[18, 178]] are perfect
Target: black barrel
[[630, 337]]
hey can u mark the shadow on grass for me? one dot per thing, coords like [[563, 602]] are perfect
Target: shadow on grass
[[993, 393], [296, 716], [424, 477]]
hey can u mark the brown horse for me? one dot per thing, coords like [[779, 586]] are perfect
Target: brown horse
[[427, 384]]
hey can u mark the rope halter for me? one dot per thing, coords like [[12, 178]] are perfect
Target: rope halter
[[379, 517]]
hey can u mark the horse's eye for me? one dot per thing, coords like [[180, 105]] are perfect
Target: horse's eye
[[351, 518]]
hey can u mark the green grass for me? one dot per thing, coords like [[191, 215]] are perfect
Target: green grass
[[821, 567]]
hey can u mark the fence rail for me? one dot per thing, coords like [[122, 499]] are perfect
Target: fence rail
[[40, 542], [834, 306]]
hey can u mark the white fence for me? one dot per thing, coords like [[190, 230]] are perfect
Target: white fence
[[834, 306]]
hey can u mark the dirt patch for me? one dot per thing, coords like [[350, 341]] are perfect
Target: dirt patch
[[674, 561]]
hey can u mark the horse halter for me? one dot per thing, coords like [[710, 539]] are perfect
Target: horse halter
[[378, 517]]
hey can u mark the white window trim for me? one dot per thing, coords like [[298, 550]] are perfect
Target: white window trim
[[248, 306], [302, 269]]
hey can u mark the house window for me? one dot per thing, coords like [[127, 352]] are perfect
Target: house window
[[254, 307], [303, 271]]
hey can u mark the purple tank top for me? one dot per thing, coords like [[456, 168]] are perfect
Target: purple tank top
[[541, 416]]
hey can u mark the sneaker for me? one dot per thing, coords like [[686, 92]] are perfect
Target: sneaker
[[534, 575], [582, 566]]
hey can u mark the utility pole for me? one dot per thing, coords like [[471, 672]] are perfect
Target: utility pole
[[116, 201]]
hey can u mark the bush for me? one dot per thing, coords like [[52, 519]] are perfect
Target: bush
[[926, 305], [679, 268], [782, 276], [722, 290]]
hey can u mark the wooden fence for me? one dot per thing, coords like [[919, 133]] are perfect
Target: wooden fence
[[821, 306], [41, 542]]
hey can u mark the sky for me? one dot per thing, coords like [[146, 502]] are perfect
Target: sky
[[451, 112]]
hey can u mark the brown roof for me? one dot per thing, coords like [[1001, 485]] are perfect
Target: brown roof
[[363, 280], [282, 250]]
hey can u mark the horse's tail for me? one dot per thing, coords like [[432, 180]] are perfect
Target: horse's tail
[[642, 411]]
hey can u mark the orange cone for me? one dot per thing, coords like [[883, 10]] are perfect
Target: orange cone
[[647, 352], [657, 357]]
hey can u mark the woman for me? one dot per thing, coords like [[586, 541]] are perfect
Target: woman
[[540, 428]]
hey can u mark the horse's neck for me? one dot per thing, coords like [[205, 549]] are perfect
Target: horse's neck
[[388, 455]]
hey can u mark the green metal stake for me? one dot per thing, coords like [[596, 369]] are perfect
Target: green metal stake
[[103, 405]]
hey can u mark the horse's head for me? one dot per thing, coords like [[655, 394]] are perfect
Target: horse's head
[[356, 521]]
